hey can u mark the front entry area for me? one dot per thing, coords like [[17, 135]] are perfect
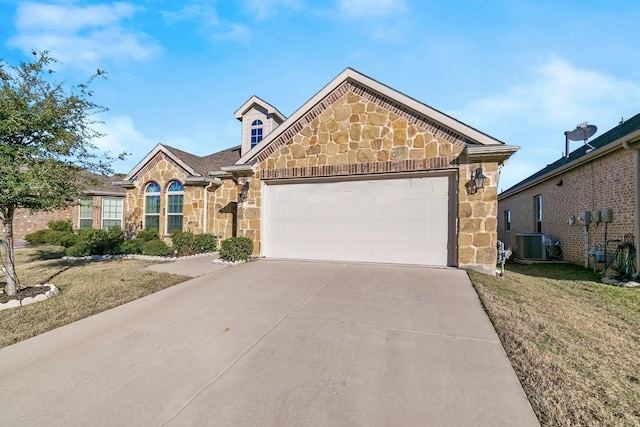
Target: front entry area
[[400, 221]]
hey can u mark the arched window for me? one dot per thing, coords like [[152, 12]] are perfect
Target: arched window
[[256, 132], [175, 200], [152, 206]]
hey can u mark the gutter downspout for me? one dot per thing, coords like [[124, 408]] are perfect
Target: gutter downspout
[[206, 207], [627, 146]]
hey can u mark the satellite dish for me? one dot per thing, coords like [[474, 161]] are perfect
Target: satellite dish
[[582, 133]]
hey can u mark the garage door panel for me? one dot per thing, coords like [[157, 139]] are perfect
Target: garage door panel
[[394, 220]]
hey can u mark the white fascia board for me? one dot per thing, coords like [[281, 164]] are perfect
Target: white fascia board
[[497, 152], [386, 91], [602, 151], [158, 148], [240, 112]]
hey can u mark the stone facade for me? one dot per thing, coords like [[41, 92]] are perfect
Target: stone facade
[[353, 131], [605, 182], [219, 207]]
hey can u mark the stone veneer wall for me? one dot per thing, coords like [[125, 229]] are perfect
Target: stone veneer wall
[[162, 170], [354, 131], [222, 209], [477, 225]]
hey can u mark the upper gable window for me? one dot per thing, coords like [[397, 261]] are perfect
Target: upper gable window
[[256, 132]]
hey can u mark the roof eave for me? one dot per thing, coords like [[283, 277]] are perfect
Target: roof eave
[[630, 139], [488, 153]]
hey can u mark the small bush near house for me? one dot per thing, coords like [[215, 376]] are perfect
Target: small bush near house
[[236, 249], [64, 225], [102, 242], [52, 237], [77, 251], [147, 235], [133, 246], [156, 248], [37, 237], [187, 243]]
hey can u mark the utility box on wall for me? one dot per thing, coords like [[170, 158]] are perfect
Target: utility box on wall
[[606, 215]]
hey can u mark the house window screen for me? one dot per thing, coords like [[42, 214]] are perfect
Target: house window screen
[[111, 213], [86, 213], [175, 201], [152, 207], [507, 220]]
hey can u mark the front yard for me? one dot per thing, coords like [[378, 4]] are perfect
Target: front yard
[[86, 288], [573, 342]]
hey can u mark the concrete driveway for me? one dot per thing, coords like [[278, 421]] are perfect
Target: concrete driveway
[[274, 343]]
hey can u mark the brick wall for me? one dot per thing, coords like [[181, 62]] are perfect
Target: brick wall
[[606, 182]]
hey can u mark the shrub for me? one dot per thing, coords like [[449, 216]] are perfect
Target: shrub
[[156, 248], [64, 225], [77, 251], [52, 237], [133, 246], [102, 242], [37, 237], [147, 235], [187, 243], [236, 249]]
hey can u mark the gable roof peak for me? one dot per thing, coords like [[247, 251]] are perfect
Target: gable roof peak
[[470, 134], [254, 100]]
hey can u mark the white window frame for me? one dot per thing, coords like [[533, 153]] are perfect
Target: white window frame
[[80, 217], [119, 208], [147, 194], [174, 214]]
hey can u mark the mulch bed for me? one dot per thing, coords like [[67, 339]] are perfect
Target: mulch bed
[[23, 293]]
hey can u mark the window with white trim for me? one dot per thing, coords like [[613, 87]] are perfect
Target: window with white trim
[[111, 212], [86, 213], [175, 202], [256, 132], [152, 206]]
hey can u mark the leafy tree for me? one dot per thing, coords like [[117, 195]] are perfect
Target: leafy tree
[[45, 144]]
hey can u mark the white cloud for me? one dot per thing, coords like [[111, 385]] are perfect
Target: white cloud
[[121, 135], [557, 93], [365, 8], [264, 9], [535, 113], [81, 36], [213, 26]]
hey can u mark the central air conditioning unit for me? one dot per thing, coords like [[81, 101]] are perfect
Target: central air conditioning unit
[[533, 246]]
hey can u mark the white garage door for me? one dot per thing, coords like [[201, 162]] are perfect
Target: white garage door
[[404, 221]]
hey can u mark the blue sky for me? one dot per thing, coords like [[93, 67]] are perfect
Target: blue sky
[[522, 71]]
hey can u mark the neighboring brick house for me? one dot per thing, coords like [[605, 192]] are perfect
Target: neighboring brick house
[[360, 172], [589, 180], [99, 207]]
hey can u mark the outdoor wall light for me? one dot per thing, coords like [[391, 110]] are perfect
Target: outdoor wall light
[[244, 192], [477, 181]]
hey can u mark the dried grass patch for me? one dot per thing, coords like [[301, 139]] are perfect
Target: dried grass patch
[[86, 288], [573, 342]]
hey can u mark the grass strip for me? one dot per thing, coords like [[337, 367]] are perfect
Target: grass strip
[[573, 342]]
